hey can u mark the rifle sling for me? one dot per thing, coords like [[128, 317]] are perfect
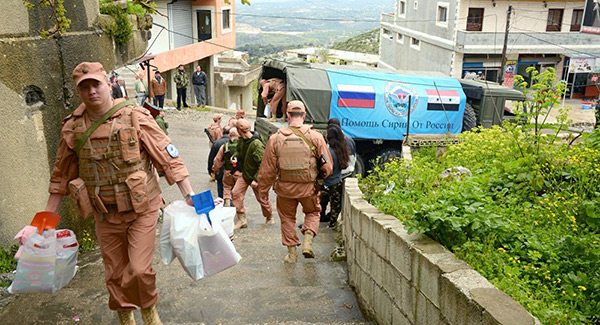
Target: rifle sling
[[99, 122]]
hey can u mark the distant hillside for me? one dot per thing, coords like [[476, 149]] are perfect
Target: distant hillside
[[363, 43]]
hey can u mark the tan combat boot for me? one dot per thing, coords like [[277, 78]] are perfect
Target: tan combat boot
[[227, 203], [126, 317], [272, 119], [150, 316], [292, 255], [240, 221], [269, 220], [307, 250]]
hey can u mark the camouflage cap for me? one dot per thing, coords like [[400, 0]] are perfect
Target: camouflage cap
[[89, 70], [296, 106]]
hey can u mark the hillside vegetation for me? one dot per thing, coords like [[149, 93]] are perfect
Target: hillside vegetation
[[364, 43]]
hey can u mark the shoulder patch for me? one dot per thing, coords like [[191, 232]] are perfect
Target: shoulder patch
[[172, 151]]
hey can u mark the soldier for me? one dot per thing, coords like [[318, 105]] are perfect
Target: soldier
[[108, 157], [214, 130], [227, 158], [211, 158], [273, 92], [250, 153], [294, 159], [181, 83]]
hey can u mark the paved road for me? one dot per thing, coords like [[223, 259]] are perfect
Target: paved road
[[261, 289]]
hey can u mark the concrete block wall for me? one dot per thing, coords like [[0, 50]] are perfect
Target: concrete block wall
[[411, 279]]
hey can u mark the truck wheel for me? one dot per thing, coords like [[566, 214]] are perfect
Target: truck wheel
[[469, 118], [359, 167], [388, 154]]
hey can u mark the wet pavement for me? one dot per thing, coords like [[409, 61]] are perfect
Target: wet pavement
[[261, 289]]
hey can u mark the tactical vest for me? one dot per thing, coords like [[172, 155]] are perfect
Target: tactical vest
[[229, 151], [295, 160], [113, 165]]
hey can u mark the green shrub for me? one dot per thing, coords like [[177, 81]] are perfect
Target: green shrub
[[120, 31], [528, 219], [7, 259]]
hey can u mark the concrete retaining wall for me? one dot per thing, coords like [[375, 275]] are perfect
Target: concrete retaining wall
[[411, 279]]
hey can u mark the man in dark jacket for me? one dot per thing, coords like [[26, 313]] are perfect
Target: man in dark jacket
[[199, 81], [211, 158], [118, 89], [250, 153]]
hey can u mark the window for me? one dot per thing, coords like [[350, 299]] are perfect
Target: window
[[400, 38], [415, 44], [402, 8], [387, 34], [442, 14], [555, 17], [475, 20], [576, 20], [226, 18]]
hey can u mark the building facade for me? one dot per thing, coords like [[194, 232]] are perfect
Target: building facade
[[192, 33], [329, 56], [458, 37]]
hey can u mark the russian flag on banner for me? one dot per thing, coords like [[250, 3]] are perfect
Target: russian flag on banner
[[356, 96], [435, 99]]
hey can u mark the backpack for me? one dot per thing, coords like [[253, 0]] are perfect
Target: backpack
[[297, 161], [229, 151]]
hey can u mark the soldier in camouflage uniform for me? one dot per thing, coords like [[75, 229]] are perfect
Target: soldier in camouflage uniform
[[181, 82]]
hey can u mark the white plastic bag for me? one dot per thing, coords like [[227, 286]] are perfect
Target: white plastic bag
[[225, 216], [218, 252], [167, 255], [48, 262], [66, 258], [35, 269], [268, 110], [184, 233]]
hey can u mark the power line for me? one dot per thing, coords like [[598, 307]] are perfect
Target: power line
[[345, 19], [312, 67]]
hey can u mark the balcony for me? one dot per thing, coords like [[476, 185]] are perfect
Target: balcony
[[541, 43], [388, 18]]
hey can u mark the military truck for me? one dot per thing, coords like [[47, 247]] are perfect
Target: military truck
[[380, 109]]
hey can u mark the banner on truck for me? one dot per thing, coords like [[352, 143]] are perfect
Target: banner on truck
[[373, 105]]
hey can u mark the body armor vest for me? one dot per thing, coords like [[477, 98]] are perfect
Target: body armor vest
[[295, 159], [229, 151], [113, 166]]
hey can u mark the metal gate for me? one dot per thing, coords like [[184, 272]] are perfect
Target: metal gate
[[182, 23]]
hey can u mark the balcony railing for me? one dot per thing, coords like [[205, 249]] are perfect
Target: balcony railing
[[478, 42]]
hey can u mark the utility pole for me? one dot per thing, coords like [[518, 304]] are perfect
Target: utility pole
[[503, 62]]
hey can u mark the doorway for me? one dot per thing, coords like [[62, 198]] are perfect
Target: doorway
[[204, 19]]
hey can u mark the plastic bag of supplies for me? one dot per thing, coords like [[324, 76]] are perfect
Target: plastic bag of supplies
[[218, 252], [47, 263], [183, 238], [225, 215]]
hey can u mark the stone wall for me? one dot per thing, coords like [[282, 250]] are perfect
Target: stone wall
[[37, 93], [411, 279]]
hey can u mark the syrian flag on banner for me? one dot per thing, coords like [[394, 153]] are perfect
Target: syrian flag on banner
[[435, 99], [356, 96]]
